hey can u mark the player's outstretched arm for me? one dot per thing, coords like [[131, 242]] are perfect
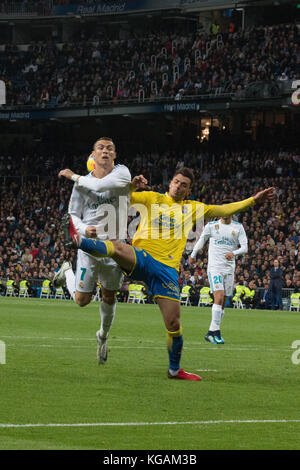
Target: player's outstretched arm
[[234, 207], [265, 195], [68, 174], [116, 179]]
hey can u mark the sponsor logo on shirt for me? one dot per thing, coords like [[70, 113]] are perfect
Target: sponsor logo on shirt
[[101, 200]]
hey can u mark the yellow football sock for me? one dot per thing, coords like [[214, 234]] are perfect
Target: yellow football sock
[[171, 335], [110, 248]]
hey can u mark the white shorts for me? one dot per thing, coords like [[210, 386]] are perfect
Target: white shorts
[[90, 270], [218, 281]]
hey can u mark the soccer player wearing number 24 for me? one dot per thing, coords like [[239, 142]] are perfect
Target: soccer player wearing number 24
[[153, 257], [227, 239]]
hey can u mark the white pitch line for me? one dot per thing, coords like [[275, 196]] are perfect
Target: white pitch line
[[188, 343], [83, 338], [70, 346], [54, 338], [191, 345], [167, 423], [186, 348]]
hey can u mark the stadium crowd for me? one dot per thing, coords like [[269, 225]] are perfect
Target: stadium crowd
[[96, 67], [30, 235]]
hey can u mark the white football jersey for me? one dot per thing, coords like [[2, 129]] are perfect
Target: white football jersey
[[102, 202], [223, 238]]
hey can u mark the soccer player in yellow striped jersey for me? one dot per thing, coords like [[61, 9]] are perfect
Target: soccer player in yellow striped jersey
[[157, 247]]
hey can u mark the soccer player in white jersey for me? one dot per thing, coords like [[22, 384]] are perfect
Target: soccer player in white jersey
[[227, 239], [87, 208]]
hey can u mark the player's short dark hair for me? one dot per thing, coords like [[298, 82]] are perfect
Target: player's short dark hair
[[104, 138], [187, 172]]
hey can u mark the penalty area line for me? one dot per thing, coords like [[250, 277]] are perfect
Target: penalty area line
[[166, 423]]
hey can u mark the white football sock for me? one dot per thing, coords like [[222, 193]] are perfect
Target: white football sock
[[222, 314], [70, 282], [216, 317], [107, 315]]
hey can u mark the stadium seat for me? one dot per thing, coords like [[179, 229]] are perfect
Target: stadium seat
[[97, 296], [45, 293], [59, 293], [238, 303], [23, 292], [295, 305], [136, 297], [205, 300], [10, 292], [185, 298], [135, 294]]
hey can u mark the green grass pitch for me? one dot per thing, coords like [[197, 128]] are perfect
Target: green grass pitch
[[248, 397]]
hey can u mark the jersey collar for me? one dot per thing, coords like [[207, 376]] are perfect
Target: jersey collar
[[171, 200]]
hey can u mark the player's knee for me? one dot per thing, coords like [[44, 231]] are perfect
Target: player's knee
[[219, 297], [173, 324], [82, 301], [109, 298]]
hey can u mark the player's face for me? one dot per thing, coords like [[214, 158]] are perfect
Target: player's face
[[180, 187], [227, 220], [104, 152]]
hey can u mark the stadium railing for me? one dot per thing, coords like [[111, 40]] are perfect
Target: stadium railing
[[121, 101], [265, 91]]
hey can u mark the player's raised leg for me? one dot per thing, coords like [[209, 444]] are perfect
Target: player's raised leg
[[92, 246], [123, 254]]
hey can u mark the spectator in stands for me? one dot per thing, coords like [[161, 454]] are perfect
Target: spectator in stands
[[27, 257], [275, 287]]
